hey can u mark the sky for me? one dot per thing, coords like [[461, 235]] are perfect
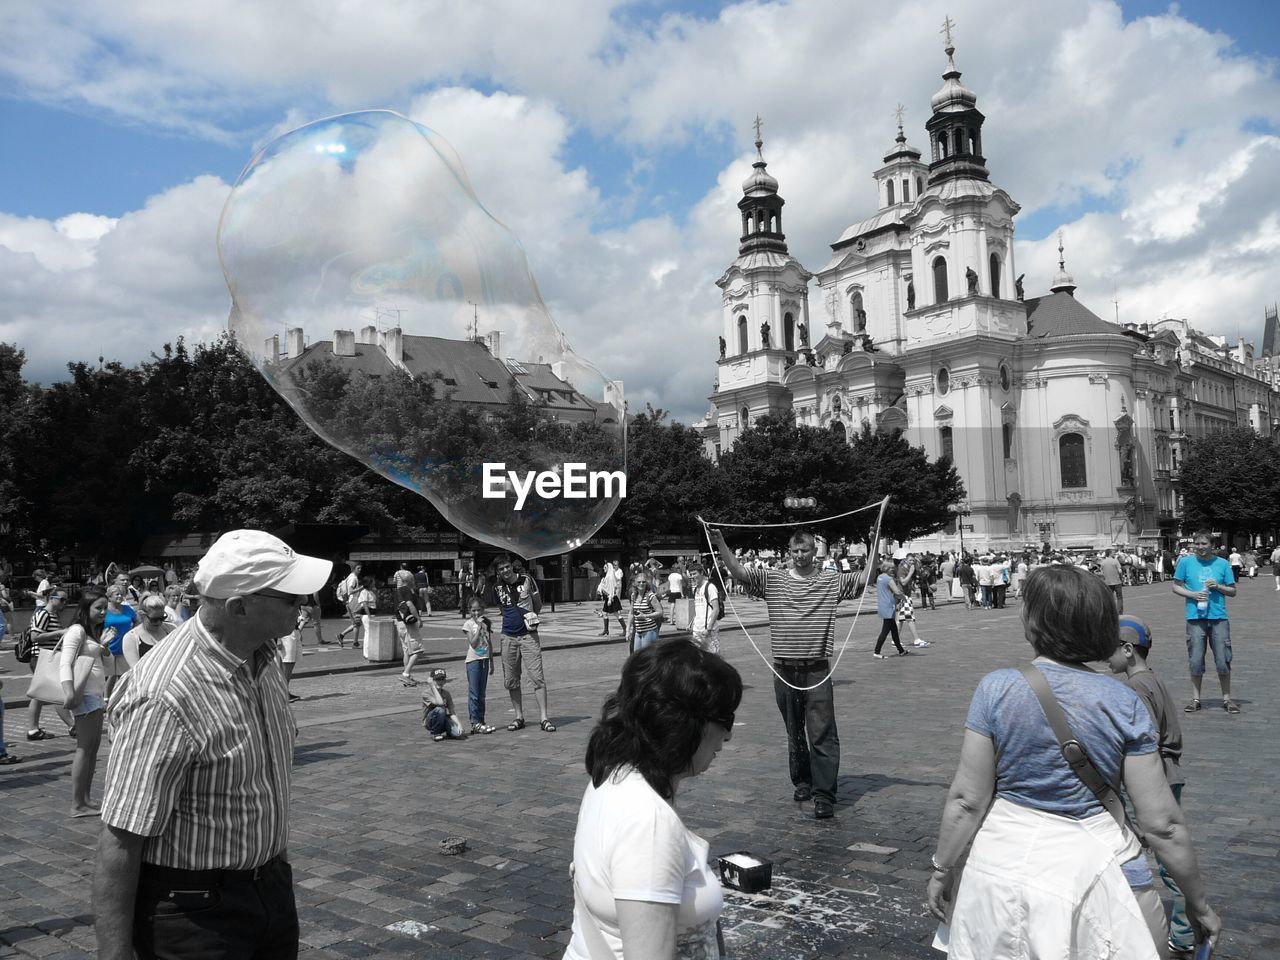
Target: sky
[[613, 137]]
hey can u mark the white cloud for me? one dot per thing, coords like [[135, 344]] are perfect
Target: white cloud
[[1155, 120]]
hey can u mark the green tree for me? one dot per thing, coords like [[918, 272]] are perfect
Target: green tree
[[669, 482], [776, 459], [20, 435], [1231, 482]]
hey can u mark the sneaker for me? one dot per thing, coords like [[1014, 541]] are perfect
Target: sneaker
[[922, 643], [878, 656], [904, 653], [40, 735]]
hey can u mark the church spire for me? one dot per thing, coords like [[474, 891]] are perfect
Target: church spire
[[761, 206], [1063, 282], [955, 129]]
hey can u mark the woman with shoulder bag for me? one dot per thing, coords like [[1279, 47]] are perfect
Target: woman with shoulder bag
[[85, 638], [1043, 877]]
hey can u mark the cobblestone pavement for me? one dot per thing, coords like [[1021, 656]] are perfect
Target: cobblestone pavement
[[373, 797]]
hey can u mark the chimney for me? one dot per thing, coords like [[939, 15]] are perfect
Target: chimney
[[344, 343], [293, 342], [393, 345], [560, 370], [273, 350], [493, 340], [368, 335]]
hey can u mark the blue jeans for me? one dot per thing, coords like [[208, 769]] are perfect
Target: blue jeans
[[813, 744], [477, 681], [1181, 933], [1215, 634], [645, 638]]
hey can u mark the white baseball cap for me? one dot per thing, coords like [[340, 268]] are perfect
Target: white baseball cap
[[246, 561]]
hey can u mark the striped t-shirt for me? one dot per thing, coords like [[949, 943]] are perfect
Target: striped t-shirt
[[201, 754], [802, 612], [645, 611]]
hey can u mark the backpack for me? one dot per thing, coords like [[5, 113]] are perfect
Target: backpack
[[24, 648], [406, 612], [341, 591], [706, 593]]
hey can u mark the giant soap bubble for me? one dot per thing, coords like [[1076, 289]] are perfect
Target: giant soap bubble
[[401, 322]]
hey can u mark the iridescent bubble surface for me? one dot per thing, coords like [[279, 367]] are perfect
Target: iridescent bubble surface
[[399, 318]]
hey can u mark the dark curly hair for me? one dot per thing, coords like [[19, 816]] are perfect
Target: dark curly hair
[[1069, 615], [654, 723]]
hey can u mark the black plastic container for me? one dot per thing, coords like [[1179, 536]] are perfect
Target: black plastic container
[[746, 879]]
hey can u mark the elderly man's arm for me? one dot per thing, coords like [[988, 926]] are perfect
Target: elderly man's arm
[[115, 888]]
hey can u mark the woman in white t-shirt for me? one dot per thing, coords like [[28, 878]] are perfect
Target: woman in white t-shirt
[[642, 886]]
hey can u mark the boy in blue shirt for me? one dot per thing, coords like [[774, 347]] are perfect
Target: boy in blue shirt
[[1205, 580]]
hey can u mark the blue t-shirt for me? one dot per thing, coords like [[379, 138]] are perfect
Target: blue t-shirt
[[1108, 719], [1193, 572], [886, 602], [515, 600], [123, 621]]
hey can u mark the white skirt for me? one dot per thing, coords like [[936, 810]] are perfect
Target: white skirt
[[1038, 886]]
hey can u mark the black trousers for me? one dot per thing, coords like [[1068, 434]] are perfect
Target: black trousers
[[216, 914], [888, 628]]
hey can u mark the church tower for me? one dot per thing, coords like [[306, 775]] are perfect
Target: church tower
[[961, 229], [765, 303]]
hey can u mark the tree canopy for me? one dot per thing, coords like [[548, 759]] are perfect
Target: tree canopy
[[1231, 482]]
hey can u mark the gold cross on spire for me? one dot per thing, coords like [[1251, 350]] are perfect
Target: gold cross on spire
[[898, 113], [1061, 260], [947, 24]]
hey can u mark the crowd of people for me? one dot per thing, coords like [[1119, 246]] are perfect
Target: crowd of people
[[179, 666]]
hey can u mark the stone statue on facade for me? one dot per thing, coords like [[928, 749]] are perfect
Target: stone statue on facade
[[971, 278], [860, 321], [723, 346], [911, 295], [804, 333], [764, 335], [1017, 286]]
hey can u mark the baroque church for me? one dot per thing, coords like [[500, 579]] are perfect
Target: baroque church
[[1058, 421]]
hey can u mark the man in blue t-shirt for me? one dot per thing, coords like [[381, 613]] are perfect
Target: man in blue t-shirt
[[1205, 580], [516, 594]]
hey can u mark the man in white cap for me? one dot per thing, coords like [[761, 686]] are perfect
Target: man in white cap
[[192, 858]]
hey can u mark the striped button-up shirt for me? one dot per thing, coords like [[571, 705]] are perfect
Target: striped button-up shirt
[[201, 754], [802, 612]]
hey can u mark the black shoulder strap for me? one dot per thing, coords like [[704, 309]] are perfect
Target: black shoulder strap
[[1073, 751]]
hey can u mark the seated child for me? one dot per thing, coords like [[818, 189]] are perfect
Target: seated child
[[438, 715]]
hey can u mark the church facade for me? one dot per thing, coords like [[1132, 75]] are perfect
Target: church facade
[[1059, 422]]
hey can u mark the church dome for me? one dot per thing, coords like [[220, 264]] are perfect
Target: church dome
[[761, 182], [954, 95], [1063, 282]]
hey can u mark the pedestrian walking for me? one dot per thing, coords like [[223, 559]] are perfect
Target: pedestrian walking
[[479, 664], [423, 583], [1043, 875], [346, 591], [802, 602], [708, 609], [191, 860], [46, 631], [85, 638], [1205, 580], [609, 590], [888, 593], [409, 629], [675, 594], [1109, 567]]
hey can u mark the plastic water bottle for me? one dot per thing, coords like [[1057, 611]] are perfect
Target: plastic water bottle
[[1202, 607]]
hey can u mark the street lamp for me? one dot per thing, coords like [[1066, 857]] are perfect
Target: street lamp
[[962, 511]]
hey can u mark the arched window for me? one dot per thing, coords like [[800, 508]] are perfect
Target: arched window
[[889, 184], [995, 275], [742, 334], [940, 280], [941, 152], [856, 312], [957, 140], [1007, 434], [919, 187], [789, 332], [906, 190], [837, 430], [945, 447], [1071, 460]]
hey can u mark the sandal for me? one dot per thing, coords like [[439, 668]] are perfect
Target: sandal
[[515, 725], [9, 759], [547, 726], [1191, 707], [1230, 705]]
